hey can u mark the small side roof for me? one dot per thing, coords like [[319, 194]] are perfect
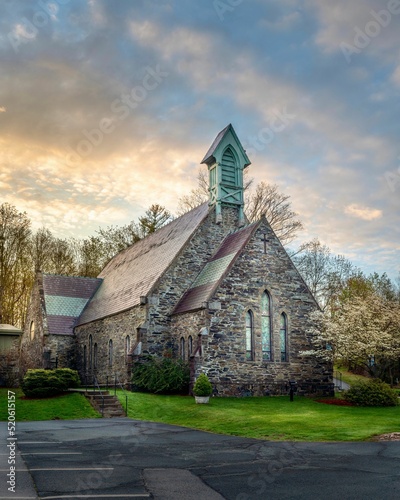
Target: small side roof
[[65, 298], [214, 271], [132, 273], [9, 330]]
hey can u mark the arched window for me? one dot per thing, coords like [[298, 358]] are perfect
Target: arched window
[[182, 348], [32, 330], [128, 344], [95, 356], [90, 352], [190, 346], [249, 336], [110, 352], [283, 337], [228, 168], [266, 327], [84, 358]]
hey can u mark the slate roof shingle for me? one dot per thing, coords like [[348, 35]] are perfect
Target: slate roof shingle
[[215, 143], [133, 272], [213, 272], [65, 298]]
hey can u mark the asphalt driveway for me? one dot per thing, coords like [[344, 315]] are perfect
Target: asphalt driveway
[[124, 458]]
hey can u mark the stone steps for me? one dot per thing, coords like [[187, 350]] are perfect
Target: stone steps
[[111, 406]]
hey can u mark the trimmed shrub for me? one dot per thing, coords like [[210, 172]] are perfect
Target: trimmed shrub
[[42, 384], [68, 376], [372, 392], [202, 387], [47, 383], [160, 376]]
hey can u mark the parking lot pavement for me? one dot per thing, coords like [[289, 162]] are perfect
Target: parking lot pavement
[[123, 458]]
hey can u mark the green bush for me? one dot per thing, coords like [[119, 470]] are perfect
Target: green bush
[[70, 377], [372, 392], [42, 384], [202, 387], [47, 383], [160, 376]]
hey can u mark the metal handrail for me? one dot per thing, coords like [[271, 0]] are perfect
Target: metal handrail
[[338, 377], [96, 384], [117, 382]]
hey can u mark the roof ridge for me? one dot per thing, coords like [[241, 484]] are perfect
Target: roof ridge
[[152, 235], [207, 289], [133, 272], [70, 276]]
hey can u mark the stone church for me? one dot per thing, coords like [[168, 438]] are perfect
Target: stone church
[[208, 287]]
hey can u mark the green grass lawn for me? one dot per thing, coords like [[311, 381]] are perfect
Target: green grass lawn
[[68, 406], [272, 418]]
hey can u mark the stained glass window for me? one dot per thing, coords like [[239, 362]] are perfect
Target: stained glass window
[[110, 353], [249, 336], [283, 337], [182, 348], [190, 346], [90, 352], [266, 327]]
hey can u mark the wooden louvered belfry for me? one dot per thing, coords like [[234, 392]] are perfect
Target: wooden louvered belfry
[[226, 159]]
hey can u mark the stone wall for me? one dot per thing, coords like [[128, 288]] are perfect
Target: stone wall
[[9, 366], [224, 349], [181, 275], [115, 328], [31, 349], [60, 351], [223, 355], [43, 350], [153, 319]]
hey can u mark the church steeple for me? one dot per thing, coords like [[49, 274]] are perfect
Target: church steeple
[[226, 159]]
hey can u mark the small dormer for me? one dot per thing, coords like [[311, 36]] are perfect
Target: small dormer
[[226, 159]]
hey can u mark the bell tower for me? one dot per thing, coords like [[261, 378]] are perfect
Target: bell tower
[[226, 159]]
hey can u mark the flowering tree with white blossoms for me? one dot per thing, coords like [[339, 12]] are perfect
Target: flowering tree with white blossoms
[[364, 332]]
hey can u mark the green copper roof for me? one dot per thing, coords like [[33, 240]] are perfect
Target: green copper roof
[[213, 270], [64, 306]]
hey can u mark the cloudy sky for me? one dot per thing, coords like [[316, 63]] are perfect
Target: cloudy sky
[[107, 107]]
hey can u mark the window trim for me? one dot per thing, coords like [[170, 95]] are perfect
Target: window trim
[[90, 352], [182, 347], [266, 314], [285, 330], [190, 346], [249, 326], [32, 330], [110, 353]]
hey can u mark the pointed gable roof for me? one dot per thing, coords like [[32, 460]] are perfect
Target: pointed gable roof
[[226, 137], [132, 273], [65, 297], [214, 271]]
